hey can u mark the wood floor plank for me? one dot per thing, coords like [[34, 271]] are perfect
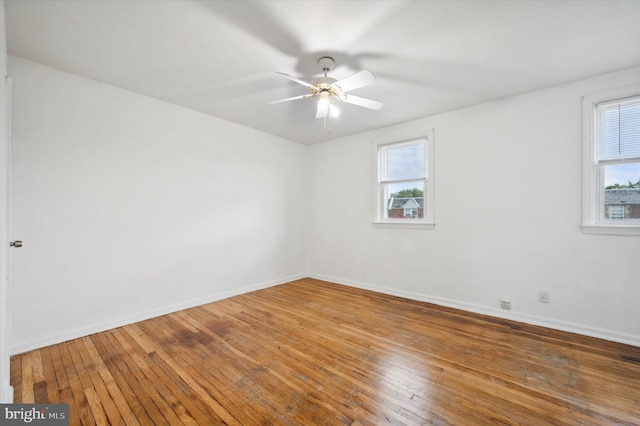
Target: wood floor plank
[[36, 365], [249, 369], [49, 376], [27, 380], [138, 390], [111, 355], [150, 384], [265, 354], [97, 388], [195, 410], [82, 410], [211, 378], [97, 410], [112, 388], [312, 352], [229, 383], [184, 374]]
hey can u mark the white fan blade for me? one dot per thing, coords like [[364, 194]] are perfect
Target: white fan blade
[[363, 102], [359, 79], [304, 83], [291, 99], [323, 110]]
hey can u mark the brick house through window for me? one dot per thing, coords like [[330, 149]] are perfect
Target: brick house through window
[[622, 203], [406, 208]]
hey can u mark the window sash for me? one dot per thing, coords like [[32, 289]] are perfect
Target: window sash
[[385, 193], [384, 151], [618, 129], [600, 191]]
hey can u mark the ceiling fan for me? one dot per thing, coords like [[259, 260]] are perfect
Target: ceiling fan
[[328, 89]]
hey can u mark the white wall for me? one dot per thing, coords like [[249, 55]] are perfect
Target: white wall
[[130, 207], [507, 208]]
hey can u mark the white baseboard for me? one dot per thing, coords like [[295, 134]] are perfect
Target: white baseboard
[[571, 327], [21, 347]]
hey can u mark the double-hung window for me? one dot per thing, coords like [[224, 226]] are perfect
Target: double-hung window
[[612, 163], [404, 184]]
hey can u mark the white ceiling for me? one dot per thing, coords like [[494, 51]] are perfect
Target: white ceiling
[[220, 57]]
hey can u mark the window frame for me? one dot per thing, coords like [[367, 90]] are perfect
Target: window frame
[[593, 220], [427, 221]]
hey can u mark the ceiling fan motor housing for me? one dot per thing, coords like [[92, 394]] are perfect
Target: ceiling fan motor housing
[[328, 81], [325, 85]]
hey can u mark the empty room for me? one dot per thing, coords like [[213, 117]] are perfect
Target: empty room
[[320, 212]]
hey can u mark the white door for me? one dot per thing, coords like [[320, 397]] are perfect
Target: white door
[[6, 391]]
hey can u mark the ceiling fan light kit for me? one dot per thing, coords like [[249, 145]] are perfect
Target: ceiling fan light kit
[[328, 89]]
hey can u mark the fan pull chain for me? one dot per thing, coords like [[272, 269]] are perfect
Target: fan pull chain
[[327, 123]]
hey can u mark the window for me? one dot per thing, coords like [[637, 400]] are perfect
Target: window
[[404, 184], [411, 213], [615, 212], [612, 163]]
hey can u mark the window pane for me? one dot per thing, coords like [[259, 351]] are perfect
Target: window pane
[[406, 162], [404, 200], [621, 125], [622, 191], [622, 175]]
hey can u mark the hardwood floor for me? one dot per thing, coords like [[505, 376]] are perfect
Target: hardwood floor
[[315, 353]]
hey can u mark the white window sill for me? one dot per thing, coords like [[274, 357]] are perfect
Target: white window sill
[[627, 230], [404, 225]]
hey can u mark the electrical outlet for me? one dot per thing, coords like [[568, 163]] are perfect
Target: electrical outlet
[[505, 304], [543, 296]]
